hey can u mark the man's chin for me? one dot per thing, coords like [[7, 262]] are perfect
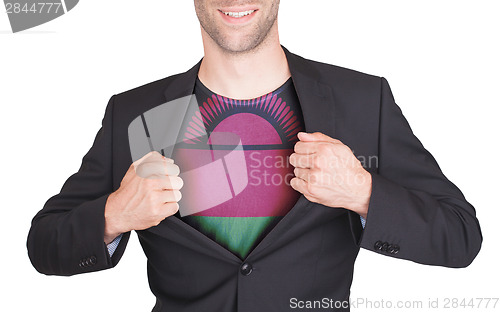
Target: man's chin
[[239, 46]]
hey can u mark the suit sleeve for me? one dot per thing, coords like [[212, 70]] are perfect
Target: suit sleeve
[[415, 212], [67, 236]]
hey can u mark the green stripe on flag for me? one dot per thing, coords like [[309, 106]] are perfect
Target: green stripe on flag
[[237, 234]]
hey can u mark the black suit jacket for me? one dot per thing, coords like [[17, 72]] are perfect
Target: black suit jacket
[[415, 212]]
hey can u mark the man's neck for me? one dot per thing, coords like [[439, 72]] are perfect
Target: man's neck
[[244, 76]]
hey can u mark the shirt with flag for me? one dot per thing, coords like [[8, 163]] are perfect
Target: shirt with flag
[[266, 128]]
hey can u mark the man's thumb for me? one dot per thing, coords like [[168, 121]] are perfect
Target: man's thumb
[[315, 136]]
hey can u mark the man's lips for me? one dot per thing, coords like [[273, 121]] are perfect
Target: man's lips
[[237, 15]]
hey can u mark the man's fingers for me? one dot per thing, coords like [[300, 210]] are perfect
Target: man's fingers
[[169, 160], [170, 196], [171, 208], [312, 147], [303, 147], [150, 155], [317, 137], [298, 185], [302, 173], [301, 186], [172, 183], [157, 169], [311, 176], [172, 169], [302, 161]]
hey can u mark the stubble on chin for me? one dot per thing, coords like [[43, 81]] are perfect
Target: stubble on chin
[[247, 44]]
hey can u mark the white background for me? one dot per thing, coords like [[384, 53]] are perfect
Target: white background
[[440, 58]]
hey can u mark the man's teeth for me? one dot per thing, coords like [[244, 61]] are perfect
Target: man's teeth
[[239, 14]]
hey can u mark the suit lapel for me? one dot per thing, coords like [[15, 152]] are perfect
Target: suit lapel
[[315, 97], [182, 84], [318, 107]]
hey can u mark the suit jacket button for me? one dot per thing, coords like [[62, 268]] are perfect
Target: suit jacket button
[[93, 260], [378, 245], [246, 269], [83, 263], [384, 246], [390, 249], [396, 249]]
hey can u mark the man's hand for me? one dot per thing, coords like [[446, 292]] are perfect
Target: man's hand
[[327, 172], [148, 193]]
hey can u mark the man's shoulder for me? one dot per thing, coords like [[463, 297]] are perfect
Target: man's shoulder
[[336, 72], [341, 78], [133, 102], [151, 89], [130, 104]]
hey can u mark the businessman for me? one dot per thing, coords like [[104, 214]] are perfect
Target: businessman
[[350, 174]]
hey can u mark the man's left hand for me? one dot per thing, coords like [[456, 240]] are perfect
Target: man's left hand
[[327, 172]]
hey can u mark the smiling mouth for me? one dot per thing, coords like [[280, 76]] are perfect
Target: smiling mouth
[[238, 14]]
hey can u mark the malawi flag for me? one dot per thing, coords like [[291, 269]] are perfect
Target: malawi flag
[[234, 163]]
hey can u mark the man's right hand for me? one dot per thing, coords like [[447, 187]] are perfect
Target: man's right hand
[[148, 193]]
